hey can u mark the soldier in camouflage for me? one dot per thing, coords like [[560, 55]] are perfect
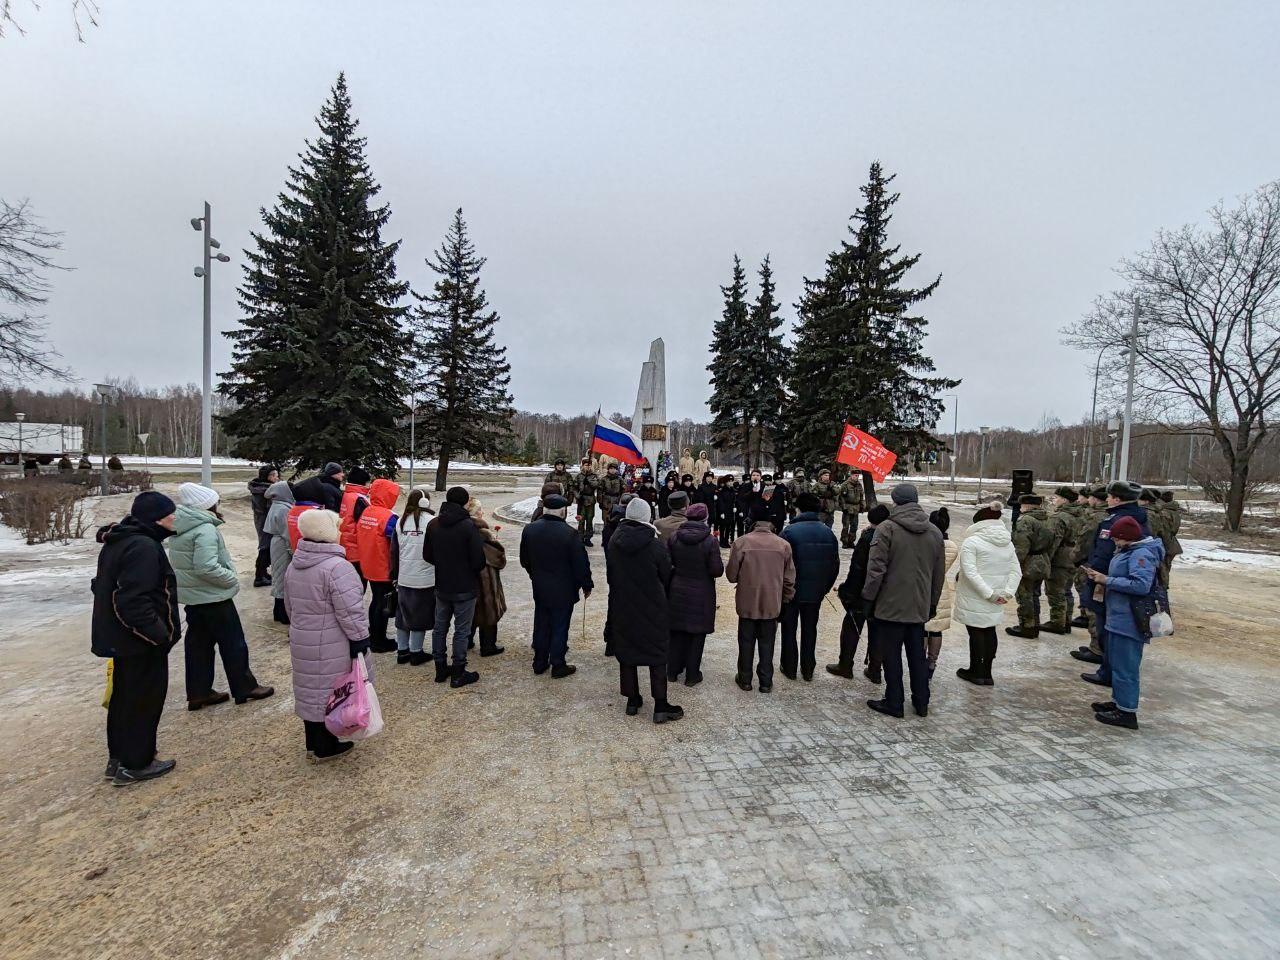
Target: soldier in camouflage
[[1034, 541], [563, 477], [828, 495], [586, 488], [794, 487], [610, 491], [1172, 511], [1065, 524], [851, 501], [1095, 511]]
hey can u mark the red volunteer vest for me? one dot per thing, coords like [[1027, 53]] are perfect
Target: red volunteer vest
[[292, 521], [347, 532], [373, 543]]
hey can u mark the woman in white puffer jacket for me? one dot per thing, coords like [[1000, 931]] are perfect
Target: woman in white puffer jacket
[[989, 573]]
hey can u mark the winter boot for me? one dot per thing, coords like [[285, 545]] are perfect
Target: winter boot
[[562, 670], [882, 706], [210, 699], [841, 669], [1054, 628], [872, 674], [263, 581], [278, 613], [972, 676], [1117, 718], [403, 656], [743, 682], [1026, 633], [1080, 621], [259, 692], [442, 670], [418, 657], [1088, 656], [664, 712], [462, 676], [634, 704]]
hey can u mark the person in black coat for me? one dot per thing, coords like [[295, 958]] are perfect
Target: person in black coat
[[325, 488], [136, 623], [556, 559], [744, 499], [706, 492], [695, 565], [774, 498], [725, 510], [816, 553], [639, 572], [258, 486], [453, 545], [668, 488], [855, 608]]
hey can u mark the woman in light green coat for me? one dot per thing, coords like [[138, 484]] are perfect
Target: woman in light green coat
[[207, 585]]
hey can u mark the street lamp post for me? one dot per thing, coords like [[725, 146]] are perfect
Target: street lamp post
[[105, 392], [206, 398], [982, 460], [1074, 454], [20, 417], [1093, 416], [1128, 395], [955, 441], [586, 443]]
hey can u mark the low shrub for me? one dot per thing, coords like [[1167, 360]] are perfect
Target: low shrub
[[44, 510]]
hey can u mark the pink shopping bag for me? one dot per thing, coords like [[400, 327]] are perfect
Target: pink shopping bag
[[350, 711]]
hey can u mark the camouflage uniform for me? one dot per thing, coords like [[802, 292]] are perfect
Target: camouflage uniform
[[851, 500], [1172, 511], [794, 487], [565, 479], [1063, 522], [1033, 540], [609, 493], [586, 487], [828, 494]]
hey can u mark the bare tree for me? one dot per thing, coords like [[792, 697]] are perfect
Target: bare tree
[[1210, 299], [84, 14], [25, 258]]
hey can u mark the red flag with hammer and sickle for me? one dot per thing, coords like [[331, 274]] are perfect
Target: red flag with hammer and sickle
[[862, 451]]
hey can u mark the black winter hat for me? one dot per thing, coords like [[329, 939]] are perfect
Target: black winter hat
[[1031, 499], [941, 518], [989, 512], [458, 495], [808, 503], [759, 511], [332, 469], [878, 514], [558, 463], [359, 476], [554, 502], [1124, 490], [1149, 495], [1066, 493], [264, 471], [151, 506]]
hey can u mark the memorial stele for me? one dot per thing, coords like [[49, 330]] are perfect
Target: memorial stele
[[649, 422]]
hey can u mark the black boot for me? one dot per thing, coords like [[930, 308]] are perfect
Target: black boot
[[442, 670], [634, 704], [841, 669], [279, 614], [1054, 628], [1026, 633], [664, 712], [1080, 621], [462, 676]]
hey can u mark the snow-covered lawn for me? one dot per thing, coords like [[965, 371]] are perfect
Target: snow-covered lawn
[[1213, 552]]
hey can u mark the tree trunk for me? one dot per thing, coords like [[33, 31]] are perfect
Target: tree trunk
[[868, 489], [442, 469], [1235, 493]]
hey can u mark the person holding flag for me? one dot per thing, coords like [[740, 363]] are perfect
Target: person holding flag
[[616, 441]]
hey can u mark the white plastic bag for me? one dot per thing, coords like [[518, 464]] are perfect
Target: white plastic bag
[[1162, 624], [374, 725]]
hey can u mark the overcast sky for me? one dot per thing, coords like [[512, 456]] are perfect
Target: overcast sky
[[612, 157]]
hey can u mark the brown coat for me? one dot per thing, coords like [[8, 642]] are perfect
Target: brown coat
[[668, 525], [760, 564], [491, 602]]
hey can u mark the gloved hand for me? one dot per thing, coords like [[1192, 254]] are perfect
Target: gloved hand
[[358, 647]]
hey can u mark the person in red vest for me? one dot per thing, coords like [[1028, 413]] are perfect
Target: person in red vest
[[355, 497], [299, 508], [375, 528]]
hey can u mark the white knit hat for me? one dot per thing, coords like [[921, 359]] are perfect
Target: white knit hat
[[195, 495], [639, 509], [319, 525]]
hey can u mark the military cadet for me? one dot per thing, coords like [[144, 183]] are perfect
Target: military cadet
[[610, 491], [828, 494], [563, 477], [1033, 540], [1094, 512], [797, 485], [850, 499], [1172, 511], [1064, 522], [586, 488]]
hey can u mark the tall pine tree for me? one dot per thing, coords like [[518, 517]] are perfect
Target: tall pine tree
[[858, 355], [765, 358], [316, 370], [465, 374], [730, 390]]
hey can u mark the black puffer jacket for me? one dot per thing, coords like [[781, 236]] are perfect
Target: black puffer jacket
[[695, 564], [556, 559], [453, 545], [322, 490], [639, 572], [135, 593]]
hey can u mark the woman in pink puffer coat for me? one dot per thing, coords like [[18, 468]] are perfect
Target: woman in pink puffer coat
[[327, 624]]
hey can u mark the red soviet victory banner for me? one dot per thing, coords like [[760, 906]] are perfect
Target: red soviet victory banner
[[862, 451]]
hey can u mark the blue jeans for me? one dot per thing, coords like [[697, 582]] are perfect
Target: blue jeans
[[551, 633], [460, 609], [410, 640], [1124, 654]]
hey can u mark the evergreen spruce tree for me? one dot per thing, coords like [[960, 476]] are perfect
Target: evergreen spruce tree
[[316, 372], [858, 354], [465, 372], [531, 453], [764, 362], [730, 391]]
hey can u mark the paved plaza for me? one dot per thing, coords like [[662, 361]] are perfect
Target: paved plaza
[[526, 817]]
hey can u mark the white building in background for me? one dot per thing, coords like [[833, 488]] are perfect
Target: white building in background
[[649, 422], [44, 441]]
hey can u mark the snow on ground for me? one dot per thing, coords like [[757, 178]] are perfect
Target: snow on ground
[[1213, 552], [522, 512], [131, 461]]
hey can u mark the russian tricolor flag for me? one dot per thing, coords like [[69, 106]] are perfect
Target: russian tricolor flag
[[617, 442]]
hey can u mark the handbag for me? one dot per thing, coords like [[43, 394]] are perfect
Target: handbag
[[1152, 612]]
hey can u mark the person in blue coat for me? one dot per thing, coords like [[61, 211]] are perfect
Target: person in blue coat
[[1122, 501], [1135, 563], [816, 553], [556, 559]]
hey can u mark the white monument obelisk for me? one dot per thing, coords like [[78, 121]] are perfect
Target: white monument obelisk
[[649, 422]]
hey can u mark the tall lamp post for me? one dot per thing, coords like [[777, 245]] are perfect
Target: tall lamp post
[[1074, 454], [1132, 351], [955, 441], [982, 460], [105, 392], [20, 417], [206, 398]]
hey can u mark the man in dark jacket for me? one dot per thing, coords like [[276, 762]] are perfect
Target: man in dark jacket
[[453, 545], [666, 526], [639, 575], [746, 495], [905, 569], [556, 559], [1122, 501], [855, 608], [267, 475], [135, 622], [816, 554], [325, 488]]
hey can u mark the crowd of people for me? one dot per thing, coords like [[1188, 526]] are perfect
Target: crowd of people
[[327, 541]]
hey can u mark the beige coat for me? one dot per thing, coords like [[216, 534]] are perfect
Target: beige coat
[[686, 464], [701, 466], [761, 564], [942, 622]]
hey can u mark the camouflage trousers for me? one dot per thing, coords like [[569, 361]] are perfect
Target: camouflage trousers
[[586, 525], [1084, 586], [1029, 603], [848, 529], [1058, 587]]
